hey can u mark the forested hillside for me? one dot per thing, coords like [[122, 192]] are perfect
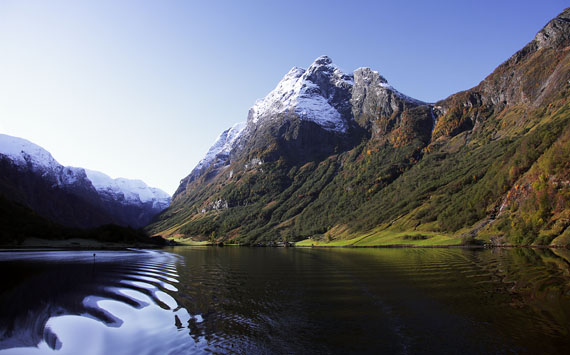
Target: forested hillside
[[338, 157]]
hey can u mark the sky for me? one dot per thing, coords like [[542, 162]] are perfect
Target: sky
[[141, 89]]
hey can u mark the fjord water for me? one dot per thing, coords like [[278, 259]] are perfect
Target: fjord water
[[285, 300]]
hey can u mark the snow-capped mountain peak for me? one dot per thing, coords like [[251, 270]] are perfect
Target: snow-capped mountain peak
[[24, 152], [322, 60], [310, 94], [324, 64], [131, 190], [124, 192], [322, 94]]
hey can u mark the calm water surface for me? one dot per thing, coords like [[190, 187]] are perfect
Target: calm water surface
[[285, 300]]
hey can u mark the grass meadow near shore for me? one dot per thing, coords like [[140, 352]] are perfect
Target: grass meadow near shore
[[388, 238]]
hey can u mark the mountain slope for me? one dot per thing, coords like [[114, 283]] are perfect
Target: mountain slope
[[19, 224], [386, 162], [291, 130], [73, 196]]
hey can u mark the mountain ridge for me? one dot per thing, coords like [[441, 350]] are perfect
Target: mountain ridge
[[297, 95], [31, 176], [400, 165]]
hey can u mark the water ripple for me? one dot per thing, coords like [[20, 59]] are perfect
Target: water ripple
[[51, 292], [318, 301]]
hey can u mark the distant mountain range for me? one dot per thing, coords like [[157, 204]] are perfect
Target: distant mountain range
[[73, 197], [336, 156]]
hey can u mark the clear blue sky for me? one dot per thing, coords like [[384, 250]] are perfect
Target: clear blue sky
[[141, 89]]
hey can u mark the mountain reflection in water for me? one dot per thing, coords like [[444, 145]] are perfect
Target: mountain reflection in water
[[69, 300], [285, 300]]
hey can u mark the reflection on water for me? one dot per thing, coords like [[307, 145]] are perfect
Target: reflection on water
[[79, 303], [264, 300]]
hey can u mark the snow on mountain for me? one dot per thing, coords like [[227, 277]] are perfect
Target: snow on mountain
[[222, 146], [321, 94], [25, 153], [133, 191], [301, 92]]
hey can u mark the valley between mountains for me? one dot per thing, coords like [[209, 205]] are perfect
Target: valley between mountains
[[344, 159]]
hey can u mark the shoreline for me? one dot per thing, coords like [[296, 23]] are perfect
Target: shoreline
[[87, 244], [444, 246], [75, 244]]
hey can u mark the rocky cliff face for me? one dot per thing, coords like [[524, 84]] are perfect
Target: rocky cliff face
[[529, 78], [73, 196], [373, 98]]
